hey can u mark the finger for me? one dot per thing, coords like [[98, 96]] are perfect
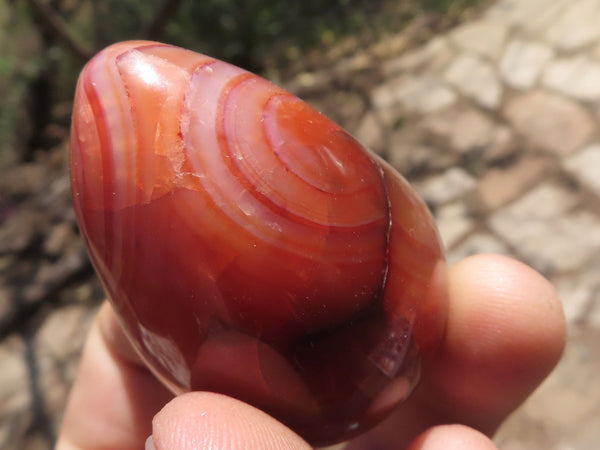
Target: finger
[[201, 420], [505, 333], [114, 396], [452, 437]]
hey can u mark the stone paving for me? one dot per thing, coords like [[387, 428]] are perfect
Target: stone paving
[[495, 123]]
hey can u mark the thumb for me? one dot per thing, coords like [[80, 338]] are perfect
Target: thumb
[[202, 420]]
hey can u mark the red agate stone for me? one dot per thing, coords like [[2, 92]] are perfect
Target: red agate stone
[[250, 245]]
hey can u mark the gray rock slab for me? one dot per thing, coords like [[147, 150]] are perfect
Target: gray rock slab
[[15, 395], [523, 62], [542, 227], [585, 165], [577, 77], [370, 132], [475, 78], [595, 52], [392, 116], [21, 229], [58, 238], [546, 201], [356, 62], [500, 185], [343, 107], [503, 144], [451, 185], [462, 129], [593, 315], [579, 293], [23, 180], [530, 15], [453, 222], [7, 296], [467, 130], [50, 275], [57, 346], [483, 37], [576, 27], [416, 94], [549, 121], [409, 154], [309, 80], [476, 243]]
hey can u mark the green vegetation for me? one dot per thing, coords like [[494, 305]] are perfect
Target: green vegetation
[[44, 43], [449, 6]]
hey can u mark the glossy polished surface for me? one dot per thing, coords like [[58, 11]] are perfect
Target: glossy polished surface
[[250, 245]]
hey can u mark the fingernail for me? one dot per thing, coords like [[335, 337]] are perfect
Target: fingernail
[[149, 444]]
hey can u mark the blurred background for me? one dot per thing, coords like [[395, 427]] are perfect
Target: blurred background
[[489, 107]]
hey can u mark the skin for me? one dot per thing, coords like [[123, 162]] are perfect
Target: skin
[[505, 333]]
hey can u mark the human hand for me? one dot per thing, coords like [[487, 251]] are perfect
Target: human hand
[[505, 333]]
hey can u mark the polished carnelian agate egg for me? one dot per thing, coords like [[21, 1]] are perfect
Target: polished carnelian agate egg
[[249, 245]]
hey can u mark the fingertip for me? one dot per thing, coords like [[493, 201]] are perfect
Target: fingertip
[[202, 420], [504, 305], [452, 437], [502, 295], [506, 332]]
